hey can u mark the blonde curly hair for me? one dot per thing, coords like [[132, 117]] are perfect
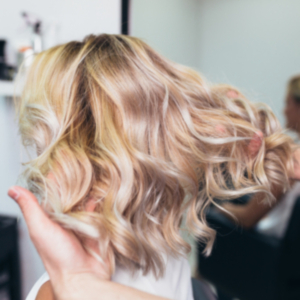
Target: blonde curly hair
[[115, 123]]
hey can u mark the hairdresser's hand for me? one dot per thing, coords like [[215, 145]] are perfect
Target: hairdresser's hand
[[60, 250], [74, 274]]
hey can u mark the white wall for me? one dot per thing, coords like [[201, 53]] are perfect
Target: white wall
[[72, 19], [252, 44], [169, 26], [75, 19]]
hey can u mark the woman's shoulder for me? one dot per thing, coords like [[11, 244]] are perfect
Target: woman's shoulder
[[35, 289]]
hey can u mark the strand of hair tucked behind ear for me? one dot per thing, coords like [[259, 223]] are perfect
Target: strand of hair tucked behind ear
[[115, 122]]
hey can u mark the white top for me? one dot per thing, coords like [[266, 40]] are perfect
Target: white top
[[175, 284], [276, 221]]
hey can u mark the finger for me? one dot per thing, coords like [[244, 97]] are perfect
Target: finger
[[34, 215], [255, 143]]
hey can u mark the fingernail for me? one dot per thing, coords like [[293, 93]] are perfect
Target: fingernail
[[13, 193]]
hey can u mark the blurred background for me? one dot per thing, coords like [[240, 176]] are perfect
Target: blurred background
[[251, 44]]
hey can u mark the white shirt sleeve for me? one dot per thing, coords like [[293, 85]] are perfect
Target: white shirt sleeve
[[35, 289]]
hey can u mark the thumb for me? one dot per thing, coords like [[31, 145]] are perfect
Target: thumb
[[33, 213]]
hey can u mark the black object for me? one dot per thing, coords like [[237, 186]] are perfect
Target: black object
[[6, 72], [125, 17], [2, 60], [32, 21], [248, 265], [10, 284], [201, 291], [2, 51]]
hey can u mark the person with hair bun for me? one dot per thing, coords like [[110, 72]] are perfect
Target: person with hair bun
[[272, 218], [131, 150]]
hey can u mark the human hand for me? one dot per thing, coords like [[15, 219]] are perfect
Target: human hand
[[61, 251]]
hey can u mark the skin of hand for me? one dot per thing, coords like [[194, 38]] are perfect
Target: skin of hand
[[74, 273]]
